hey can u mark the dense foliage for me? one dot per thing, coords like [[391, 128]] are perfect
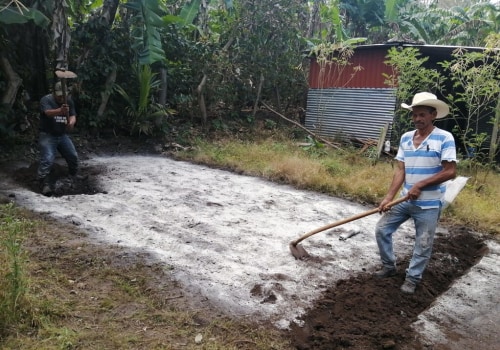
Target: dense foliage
[[207, 60]]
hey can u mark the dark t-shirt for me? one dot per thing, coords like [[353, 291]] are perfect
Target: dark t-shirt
[[54, 125]]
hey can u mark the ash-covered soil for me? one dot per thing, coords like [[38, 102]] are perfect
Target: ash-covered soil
[[357, 311]]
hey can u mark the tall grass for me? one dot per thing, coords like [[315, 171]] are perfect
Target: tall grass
[[118, 305], [13, 283], [477, 205], [344, 173]]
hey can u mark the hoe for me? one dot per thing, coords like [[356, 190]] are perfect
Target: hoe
[[300, 253]]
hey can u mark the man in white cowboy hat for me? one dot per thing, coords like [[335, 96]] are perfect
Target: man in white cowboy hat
[[426, 159]]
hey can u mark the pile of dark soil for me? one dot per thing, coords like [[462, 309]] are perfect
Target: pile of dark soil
[[365, 312]]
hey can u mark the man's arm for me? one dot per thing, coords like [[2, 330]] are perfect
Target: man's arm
[[397, 181], [448, 172], [71, 114], [63, 110]]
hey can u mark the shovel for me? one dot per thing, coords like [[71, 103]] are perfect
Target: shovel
[[300, 253]]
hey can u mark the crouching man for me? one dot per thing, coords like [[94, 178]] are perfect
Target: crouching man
[[57, 118]]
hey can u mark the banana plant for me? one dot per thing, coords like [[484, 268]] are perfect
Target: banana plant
[[14, 12], [145, 34], [145, 115]]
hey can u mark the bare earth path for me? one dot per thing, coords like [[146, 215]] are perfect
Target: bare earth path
[[226, 237]]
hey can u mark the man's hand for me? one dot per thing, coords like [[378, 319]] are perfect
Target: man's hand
[[71, 123], [383, 205], [414, 192], [64, 109]]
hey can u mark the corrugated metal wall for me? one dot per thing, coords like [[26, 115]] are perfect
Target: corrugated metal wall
[[366, 69], [346, 113]]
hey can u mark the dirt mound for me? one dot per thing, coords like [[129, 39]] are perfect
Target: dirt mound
[[364, 312]]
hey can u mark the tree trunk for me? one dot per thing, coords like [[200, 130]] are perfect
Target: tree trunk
[[110, 80], [163, 86], [278, 98], [259, 90], [494, 133], [201, 99], [13, 82], [107, 16], [314, 20], [203, 17], [109, 9], [61, 34]]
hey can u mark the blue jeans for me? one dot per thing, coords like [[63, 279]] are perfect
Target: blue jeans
[[49, 145], [425, 227]]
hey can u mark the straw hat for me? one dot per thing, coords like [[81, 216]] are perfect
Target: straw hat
[[428, 99]]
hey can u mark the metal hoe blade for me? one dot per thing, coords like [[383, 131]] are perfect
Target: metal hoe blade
[[298, 251], [65, 74]]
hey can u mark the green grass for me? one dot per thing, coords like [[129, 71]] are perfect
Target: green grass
[[13, 282], [67, 293], [344, 173]]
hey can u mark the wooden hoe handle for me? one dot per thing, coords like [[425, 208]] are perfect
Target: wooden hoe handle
[[345, 221]]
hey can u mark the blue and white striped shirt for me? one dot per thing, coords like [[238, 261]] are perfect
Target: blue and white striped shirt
[[425, 161]]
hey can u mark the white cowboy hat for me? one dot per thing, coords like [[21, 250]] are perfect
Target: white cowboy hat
[[428, 99]]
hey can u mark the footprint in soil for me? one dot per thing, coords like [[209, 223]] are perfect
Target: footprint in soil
[[267, 293], [364, 312]]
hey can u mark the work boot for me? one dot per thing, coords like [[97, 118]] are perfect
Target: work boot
[[385, 272], [408, 287], [77, 178], [45, 187], [80, 177]]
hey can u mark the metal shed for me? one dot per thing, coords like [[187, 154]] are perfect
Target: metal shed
[[354, 101], [350, 112]]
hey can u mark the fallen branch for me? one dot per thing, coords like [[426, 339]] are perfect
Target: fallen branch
[[303, 128], [244, 341], [175, 297], [367, 143]]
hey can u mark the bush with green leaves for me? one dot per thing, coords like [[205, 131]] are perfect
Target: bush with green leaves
[[409, 77], [475, 98]]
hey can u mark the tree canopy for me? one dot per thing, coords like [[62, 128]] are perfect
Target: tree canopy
[[206, 59]]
